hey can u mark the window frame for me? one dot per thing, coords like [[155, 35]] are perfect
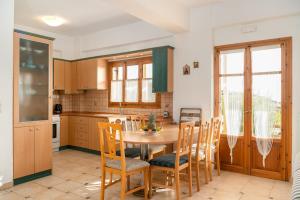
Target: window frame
[[140, 62]]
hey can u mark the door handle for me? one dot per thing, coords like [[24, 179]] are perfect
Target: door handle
[[246, 111]]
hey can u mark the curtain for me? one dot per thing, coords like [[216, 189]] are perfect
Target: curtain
[[233, 109]]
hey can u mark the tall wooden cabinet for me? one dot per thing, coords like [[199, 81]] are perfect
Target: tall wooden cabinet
[[32, 105]]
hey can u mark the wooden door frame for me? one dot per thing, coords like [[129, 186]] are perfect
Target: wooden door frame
[[286, 149]]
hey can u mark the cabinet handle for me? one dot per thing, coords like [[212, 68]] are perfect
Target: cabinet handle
[[30, 129], [37, 129]]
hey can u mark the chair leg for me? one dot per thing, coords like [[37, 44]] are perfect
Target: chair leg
[[206, 168], [102, 184], [110, 178], [123, 187], [146, 182], [150, 183], [210, 170], [128, 183], [190, 178], [177, 185], [197, 175], [218, 162]]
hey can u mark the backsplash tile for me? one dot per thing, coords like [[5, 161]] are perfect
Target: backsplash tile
[[97, 101]]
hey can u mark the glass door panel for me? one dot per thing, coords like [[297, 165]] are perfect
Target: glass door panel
[[33, 81]]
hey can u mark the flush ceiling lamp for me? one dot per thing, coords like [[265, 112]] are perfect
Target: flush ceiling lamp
[[53, 20]]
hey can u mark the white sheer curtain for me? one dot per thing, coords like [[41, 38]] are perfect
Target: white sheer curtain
[[263, 118], [233, 109]]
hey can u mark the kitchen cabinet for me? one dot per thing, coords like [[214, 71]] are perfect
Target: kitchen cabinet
[[64, 130], [33, 81], [94, 140], [59, 74], [92, 74], [72, 130], [23, 151], [32, 150], [162, 60], [42, 147], [82, 132]]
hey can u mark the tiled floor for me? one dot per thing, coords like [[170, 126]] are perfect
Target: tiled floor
[[76, 176]]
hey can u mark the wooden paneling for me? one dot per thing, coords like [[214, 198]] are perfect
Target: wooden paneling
[[23, 151], [59, 75], [64, 130], [43, 147]]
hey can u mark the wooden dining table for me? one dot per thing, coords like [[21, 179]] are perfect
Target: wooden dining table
[[167, 135]]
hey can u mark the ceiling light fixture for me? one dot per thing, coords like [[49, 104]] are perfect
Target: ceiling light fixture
[[53, 20]]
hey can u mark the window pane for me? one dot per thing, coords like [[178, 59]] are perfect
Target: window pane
[[147, 95], [232, 62], [232, 104], [267, 58], [114, 73], [147, 70], [131, 93], [116, 91], [120, 73], [132, 72], [266, 102]]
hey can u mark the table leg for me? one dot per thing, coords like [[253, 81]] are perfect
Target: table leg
[[144, 156]]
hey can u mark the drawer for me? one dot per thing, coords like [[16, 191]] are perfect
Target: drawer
[[82, 128], [82, 135], [82, 121], [82, 143]]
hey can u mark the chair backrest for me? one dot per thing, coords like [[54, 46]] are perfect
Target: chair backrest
[[216, 126], [191, 114], [111, 137], [185, 141], [119, 119], [137, 122], [204, 138]]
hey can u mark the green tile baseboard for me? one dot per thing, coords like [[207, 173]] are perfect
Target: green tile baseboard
[[32, 177], [86, 150]]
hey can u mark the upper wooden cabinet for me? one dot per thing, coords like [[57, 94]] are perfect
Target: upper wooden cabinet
[[59, 75], [162, 59], [92, 74]]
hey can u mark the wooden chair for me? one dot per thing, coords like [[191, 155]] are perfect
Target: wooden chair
[[131, 152], [176, 162], [216, 125], [111, 163], [201, 152]]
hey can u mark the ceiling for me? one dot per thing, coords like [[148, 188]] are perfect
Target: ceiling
[[195, 3], [82, 16]]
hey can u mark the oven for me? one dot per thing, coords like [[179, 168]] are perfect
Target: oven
[[55, 132]]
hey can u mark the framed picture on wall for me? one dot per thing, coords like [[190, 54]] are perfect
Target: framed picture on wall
[[186, 70]]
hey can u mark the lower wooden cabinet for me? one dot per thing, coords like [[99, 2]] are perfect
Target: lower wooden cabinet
[[64, 130], [32, 149], [23, 151], [94, 142]]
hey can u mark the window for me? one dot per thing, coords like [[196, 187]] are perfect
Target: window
[[131, 84]]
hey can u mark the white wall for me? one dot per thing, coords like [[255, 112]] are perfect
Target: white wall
[[6, 90], [196, 45], [135, 36], [268, 29], [63, 46]]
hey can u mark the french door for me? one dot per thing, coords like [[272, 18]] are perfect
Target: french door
[[253, 94]]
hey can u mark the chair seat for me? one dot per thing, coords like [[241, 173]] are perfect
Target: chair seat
[[168, 160], [131, 164], [154, 148], [201, 153], [130, 152]]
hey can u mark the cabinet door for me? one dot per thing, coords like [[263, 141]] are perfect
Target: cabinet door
[[72, 130], [64, 130], [59, 75], [23, 151], [74, 78], [43, 147], [94, 142], [101, 71], [68, 78], [82, 74]]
